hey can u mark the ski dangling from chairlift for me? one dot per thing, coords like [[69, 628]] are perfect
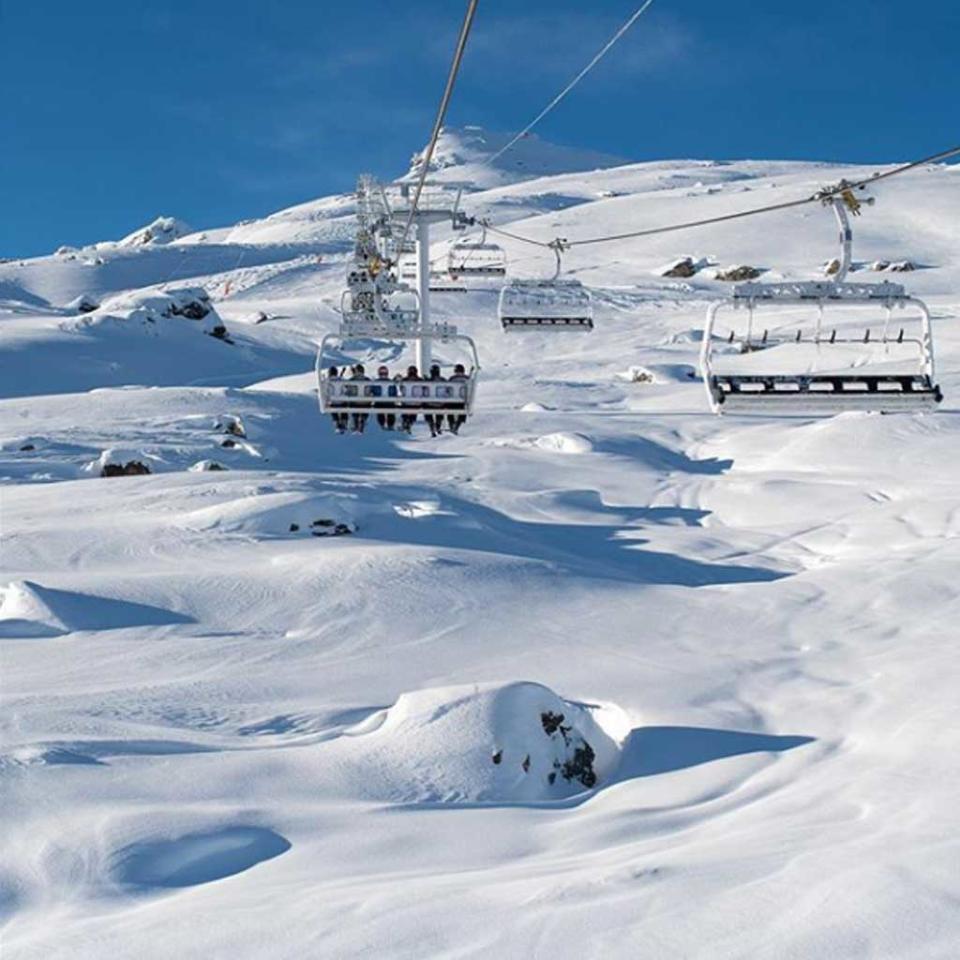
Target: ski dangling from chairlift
[[825, 364], [546, 305]]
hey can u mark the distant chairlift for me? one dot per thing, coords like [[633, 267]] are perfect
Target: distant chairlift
[[476, 258], [341, 394], [554, 304], [827, 369]]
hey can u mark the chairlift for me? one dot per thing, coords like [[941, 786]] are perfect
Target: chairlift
[[546, 305], [818, 368], [341, 394], [476, 258], [819, 372]]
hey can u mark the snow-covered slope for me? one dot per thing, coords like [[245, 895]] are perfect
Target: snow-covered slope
[[602, 676]]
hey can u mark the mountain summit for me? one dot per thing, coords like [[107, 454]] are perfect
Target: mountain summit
[[462, 156]]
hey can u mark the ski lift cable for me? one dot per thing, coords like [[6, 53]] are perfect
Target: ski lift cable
[[441, 113], [818, 197], [599, 56]]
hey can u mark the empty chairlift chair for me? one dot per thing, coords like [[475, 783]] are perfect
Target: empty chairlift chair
[[812, 366], [476, 258], [546, 305]]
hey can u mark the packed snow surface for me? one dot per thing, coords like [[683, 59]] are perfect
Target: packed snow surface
[[603, 675]]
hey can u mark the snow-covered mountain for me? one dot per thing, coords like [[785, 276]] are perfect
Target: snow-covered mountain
[[468, 156], [602, 675]]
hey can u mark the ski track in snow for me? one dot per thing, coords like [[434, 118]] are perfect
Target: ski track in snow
[[225, 734]]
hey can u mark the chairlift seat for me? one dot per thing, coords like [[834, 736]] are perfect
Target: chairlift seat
[[434, 397], [886, 393], [546, 305]]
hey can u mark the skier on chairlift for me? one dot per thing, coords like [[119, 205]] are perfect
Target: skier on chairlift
[[456, 421], [407, 420], [340, 420], [359, 419], [387, 421], [435, 421]]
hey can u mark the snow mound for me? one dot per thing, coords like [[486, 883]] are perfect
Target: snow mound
[[24, 612], [29, 609], [163, 230], [267, 516], [565, 443], [515, 742]]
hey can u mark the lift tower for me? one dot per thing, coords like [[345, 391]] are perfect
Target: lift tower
[[434, 206]]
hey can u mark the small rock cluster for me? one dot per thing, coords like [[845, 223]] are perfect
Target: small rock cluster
[[897, 266], [326, 527], [132, 468], [737, 274]]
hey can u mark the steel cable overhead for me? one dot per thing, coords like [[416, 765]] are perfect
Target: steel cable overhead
[[818, 197], [606, 47], [441, 113]]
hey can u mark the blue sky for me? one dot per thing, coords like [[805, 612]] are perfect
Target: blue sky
[[117, 111]]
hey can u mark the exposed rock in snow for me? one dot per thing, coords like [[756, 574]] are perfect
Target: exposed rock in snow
[[119, 462], [639, 375], [831, 267], [683, 268], [131, 468], [83, 304], [163, 230], [902, 266], [737, 274], [203, 466]]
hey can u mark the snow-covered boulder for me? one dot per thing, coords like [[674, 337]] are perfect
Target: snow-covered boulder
[[121, 462], [485, 743], [162, 230], [154, 306]]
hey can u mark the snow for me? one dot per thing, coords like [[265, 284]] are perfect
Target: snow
[[227, 732], [162, 230]]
